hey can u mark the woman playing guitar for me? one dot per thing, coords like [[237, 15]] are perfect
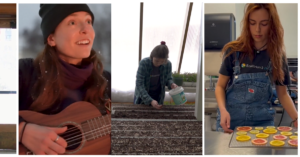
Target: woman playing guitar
[[68, 70]]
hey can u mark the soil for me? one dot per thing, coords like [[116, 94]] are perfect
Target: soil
[[153, 115], [175, 133]]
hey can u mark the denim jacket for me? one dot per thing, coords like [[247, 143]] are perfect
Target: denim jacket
[[142, 87]]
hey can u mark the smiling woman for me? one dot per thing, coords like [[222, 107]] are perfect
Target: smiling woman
[[72, 46], [65, 81]]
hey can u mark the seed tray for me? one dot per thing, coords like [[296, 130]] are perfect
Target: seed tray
[[248, 144]]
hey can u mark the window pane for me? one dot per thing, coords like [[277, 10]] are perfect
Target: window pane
[[191, 50], [125, 45], [161, 23]]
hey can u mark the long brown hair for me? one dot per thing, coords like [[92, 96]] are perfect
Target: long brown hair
[[275, 45], [48, 90]]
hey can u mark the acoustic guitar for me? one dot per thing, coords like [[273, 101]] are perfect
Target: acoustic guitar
[[88, 131]]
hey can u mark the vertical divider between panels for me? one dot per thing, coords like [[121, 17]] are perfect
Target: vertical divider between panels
[[199, 87], [186, 28], [141, 31]]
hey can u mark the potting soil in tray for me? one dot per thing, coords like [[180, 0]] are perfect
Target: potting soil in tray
[[148, 112], [145, 131]]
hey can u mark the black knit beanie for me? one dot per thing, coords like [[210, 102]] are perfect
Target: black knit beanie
[[53, 14]]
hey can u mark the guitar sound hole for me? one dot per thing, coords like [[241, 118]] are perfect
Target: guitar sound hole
[[73, 137]]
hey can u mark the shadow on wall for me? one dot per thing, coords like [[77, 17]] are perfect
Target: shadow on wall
[[33, 43]]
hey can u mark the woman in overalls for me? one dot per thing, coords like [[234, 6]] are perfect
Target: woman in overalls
[[154, 73], [68, 70], [251, 65]]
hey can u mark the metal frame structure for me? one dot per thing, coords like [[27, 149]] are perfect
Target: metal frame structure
[[184, 33], [141, 30]]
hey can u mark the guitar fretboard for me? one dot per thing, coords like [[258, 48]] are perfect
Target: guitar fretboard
[[97, 127]]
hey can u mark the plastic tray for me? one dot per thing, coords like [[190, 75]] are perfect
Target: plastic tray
[[248, 144]]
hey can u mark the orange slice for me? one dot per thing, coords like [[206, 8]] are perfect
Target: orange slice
[[262, 135], [254, 131], [259, 128], [294, 137], [277, 143], [244, 128], [286, 133], [270, 131], [241, 133], [270, 127], [293, 143], [243, 138]]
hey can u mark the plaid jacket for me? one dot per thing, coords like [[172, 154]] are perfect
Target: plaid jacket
[[142, 86]]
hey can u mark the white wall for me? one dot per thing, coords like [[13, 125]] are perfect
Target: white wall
[[288, 14]]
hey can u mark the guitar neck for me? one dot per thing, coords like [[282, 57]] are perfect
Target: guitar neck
[[7, 136], [97, 127]]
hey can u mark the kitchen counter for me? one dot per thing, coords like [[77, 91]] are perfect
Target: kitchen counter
[[217, 143], [211, 106]]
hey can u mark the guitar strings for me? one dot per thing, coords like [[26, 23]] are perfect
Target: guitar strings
[[93, 131], [78, 126], [86, 139], [79, 136], [105, 128], [77, 143]]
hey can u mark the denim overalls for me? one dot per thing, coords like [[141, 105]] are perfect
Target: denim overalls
[[248, 99]]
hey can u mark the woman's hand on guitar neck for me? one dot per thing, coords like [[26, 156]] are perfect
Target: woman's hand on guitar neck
[[41, 140]]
